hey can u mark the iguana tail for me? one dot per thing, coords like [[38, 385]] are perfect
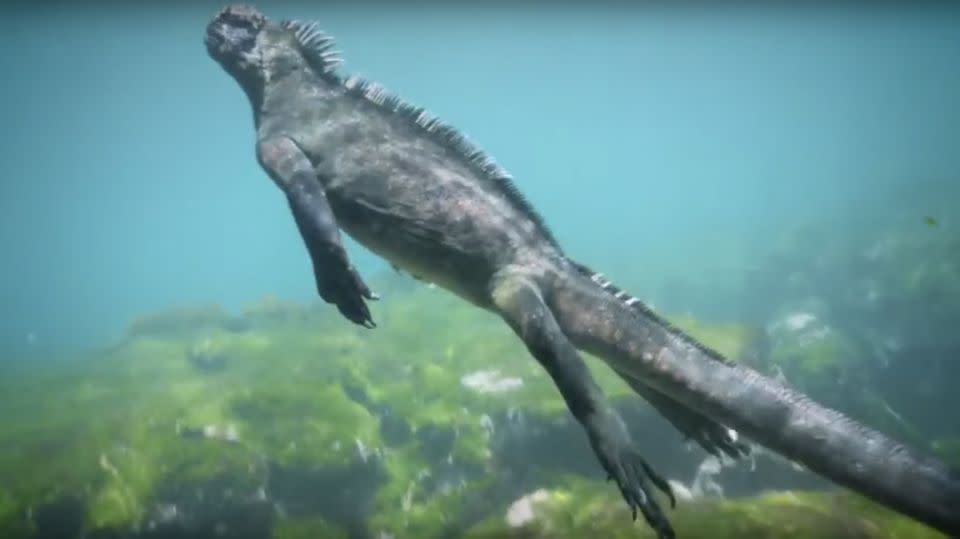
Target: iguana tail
[[602, 320]]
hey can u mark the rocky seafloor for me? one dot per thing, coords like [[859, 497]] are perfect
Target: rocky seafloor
[[285, 421]]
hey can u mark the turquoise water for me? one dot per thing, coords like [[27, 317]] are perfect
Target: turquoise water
[[781, 184], [651, 138]]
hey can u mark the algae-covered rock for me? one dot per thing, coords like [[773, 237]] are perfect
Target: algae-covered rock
[[307, 528], [12, 521], [948, 450], [208, 355], [180, 321], [273, 311], [811, 354], [295, 423], [581, 510], [305, 427], [139, 427], [823, 355], [732, 340]]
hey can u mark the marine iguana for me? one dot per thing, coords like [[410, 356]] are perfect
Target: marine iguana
[[349, 155]]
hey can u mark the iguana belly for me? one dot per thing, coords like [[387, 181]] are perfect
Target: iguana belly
[[428, 251]]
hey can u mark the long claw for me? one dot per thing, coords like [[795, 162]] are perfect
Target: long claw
[[633, 477], [660, 482]]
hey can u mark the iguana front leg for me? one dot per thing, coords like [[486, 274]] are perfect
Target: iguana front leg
[[521, 305], [337, 281]]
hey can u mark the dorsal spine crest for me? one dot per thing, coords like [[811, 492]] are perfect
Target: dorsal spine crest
[[642, 309], [316, 46]]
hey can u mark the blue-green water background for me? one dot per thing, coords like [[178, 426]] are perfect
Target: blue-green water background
[[673, 141]]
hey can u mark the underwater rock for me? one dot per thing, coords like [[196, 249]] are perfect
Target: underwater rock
[[179, 322], [394, 428], [218, 508], [948, 450], [308, 528], [226, 433], [271, 311], [797, 328], [342, 497], [436, 442], [523, 511], [60, 518], [314, 428], [208, 356], [811, 353], [735, 341], [580, 510]]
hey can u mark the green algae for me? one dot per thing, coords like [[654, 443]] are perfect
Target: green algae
[[307, 528], [179, 321], [582, 510], [818, 360], [948, 449], [281, 391], [300, 388], [305, 426], [11, 521], [113, 430], [729, 339]]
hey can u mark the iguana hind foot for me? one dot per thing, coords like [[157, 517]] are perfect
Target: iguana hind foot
[[520, 304], [713, 437]]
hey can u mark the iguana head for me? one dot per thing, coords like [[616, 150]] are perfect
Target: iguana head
[[253, 49], [231, 40]]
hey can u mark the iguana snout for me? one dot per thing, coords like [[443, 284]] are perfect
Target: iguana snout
[[231, 36]]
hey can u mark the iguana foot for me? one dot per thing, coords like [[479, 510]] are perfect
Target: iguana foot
[[347, 290], [713, 437], [626, 466]]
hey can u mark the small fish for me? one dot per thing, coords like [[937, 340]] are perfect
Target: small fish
[[930, 221]]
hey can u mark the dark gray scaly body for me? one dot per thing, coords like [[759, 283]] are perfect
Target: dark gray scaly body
[[350, 156], [399, 189]]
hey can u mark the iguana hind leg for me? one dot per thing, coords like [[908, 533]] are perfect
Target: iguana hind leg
[[336, 279], [519, 302], [713, 437]]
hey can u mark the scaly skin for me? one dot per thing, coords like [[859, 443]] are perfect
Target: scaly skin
[[348, 156]]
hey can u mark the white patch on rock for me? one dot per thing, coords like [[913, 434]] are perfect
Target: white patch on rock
[[798, 321], [490, 381], [523, 510], [362, 451], [486, 422], [680, 491], [704, 482], [801, 328]]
